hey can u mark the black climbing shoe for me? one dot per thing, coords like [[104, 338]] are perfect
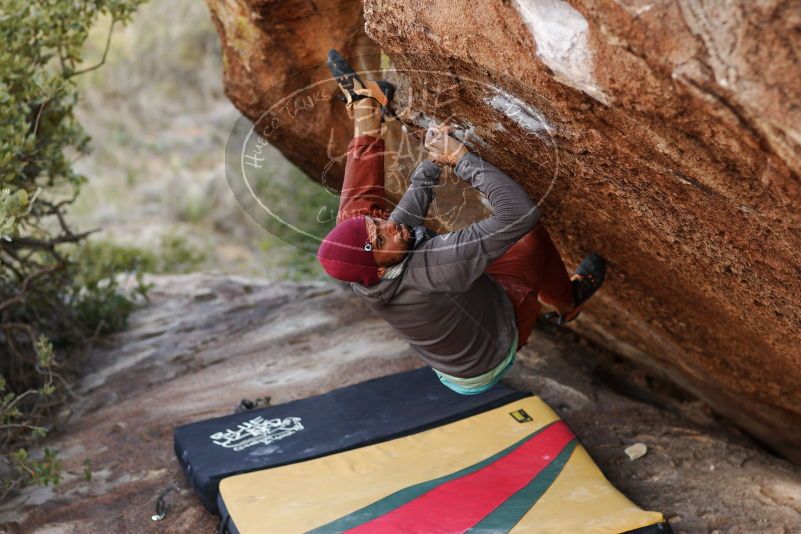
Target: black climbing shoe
[[353, 88], [588, 279]]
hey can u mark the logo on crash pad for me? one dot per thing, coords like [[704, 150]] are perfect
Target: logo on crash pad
[[257, 431], [521, 416]]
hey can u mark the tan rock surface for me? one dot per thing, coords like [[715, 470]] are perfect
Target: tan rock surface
[[271, 50], [207, 341], [663, 135]]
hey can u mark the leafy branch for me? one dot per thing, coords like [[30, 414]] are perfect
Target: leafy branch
[[50, 301]]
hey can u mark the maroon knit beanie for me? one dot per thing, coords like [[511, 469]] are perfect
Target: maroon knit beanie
[[346, 255]]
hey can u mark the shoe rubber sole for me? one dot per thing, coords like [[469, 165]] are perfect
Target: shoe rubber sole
[[381, 90], [593, 270]]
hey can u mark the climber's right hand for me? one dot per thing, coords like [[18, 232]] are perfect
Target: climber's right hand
[[443, 148]]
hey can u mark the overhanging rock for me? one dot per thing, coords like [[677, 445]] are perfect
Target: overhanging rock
[[663, 135]]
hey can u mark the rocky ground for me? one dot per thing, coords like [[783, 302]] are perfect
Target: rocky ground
[[207, 341]]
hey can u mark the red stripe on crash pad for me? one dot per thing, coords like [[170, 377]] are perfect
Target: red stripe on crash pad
[[457, 505]]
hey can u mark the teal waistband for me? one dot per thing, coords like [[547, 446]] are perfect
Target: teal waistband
[[482, 382]]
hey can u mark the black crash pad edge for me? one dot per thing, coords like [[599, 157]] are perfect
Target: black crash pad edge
[[227, 525], [656, 528]]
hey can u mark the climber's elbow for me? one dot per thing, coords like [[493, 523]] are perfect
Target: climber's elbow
[[532, 216], [526, 219]]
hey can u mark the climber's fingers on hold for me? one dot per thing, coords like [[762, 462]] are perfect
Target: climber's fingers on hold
[[432, 138], [438, 138]]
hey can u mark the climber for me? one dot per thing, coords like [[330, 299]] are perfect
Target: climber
[[467, 300]]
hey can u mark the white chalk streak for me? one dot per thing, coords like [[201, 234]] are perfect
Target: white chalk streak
[[561, 36], [528, 117]]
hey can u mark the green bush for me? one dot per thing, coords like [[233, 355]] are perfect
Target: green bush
[[99, 258], [43, 471], [309, 217], [96, 295], [103, 266], [48, 301]]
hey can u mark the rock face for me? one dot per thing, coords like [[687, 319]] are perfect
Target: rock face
[[268, 56], [664, 135], [205, 342]]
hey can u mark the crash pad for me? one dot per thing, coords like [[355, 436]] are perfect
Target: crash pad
[[516, 468], [352, 416]]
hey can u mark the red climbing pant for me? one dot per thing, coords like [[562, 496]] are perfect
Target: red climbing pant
[[531, 268]]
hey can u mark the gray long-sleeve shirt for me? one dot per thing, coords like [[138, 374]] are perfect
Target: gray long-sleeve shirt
[[451, 312]]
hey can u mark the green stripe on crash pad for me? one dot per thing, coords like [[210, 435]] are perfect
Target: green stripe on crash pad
[[399, 498], [507, 515]]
